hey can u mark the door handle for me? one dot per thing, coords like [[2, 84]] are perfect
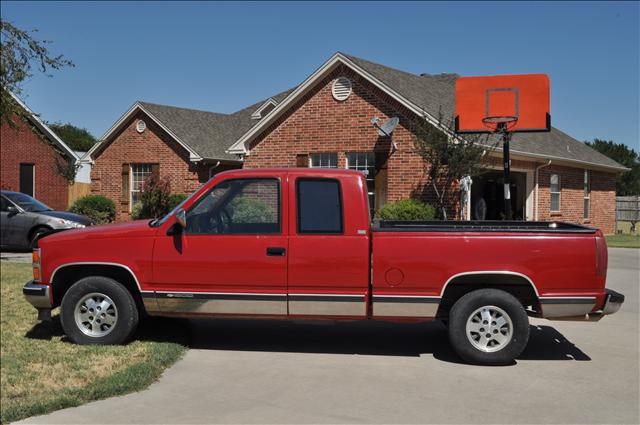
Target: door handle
[[276, 252]]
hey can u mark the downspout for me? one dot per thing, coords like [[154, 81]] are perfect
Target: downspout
[[537, 171]]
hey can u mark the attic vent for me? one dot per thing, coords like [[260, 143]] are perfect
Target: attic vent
[[140, 126], [341, 88]]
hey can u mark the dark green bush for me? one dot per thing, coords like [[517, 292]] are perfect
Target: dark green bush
[[407, 209], [97, 207], [249, 210], [175, 199], [154, 199]]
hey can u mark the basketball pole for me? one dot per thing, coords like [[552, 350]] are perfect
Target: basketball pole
[[506, 138]]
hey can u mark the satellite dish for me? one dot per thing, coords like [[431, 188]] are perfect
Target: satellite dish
[[387, 128]]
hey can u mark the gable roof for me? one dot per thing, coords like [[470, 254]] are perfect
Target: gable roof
[[433, 96], [204, 134], [48, 133]]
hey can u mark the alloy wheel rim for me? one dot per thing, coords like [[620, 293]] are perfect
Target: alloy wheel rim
[[489, 329], [96, 315]]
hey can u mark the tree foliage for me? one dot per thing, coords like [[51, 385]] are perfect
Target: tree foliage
[[78, 139], [628, 183], [447, 157], [20, 55]]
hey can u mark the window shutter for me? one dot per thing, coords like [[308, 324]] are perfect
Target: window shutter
[[302, 160], [155, 171], [125, 184]]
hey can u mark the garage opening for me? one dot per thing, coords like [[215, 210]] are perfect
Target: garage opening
[[487, 196]]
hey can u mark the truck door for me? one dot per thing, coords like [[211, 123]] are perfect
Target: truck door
[[328, 270], [232, 256]]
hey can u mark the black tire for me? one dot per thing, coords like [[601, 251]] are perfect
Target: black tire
[[125, 308], [466, 306], [35, 234]]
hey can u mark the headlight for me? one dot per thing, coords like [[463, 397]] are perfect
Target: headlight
[[71, 224]]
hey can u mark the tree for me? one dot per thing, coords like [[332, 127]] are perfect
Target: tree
[[628, 183], [19, 54], [78, 139], [447, 157]]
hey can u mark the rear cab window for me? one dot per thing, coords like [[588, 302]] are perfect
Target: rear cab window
[[319, 206]]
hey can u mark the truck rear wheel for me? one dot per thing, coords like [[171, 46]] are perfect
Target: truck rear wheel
[[98, 310], [488, 327]]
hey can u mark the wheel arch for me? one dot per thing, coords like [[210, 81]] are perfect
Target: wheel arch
[[518, 284], [65, 275], [34, 228]]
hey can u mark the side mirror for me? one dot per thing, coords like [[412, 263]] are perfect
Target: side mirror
[[12, 210], [181, 218]]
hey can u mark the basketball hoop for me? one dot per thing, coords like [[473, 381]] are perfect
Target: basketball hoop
[[500, 124]]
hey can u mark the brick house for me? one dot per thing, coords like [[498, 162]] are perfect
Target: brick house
[[327, 122], [30, 159]]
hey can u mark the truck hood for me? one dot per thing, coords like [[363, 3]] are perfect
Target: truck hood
[[131, 229]]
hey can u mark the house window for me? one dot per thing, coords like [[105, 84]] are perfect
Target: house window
[[139, 173], [555, 193], [587, 192], [365, 162], [324, 160]]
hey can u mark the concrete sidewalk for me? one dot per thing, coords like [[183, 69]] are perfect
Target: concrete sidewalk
[[295, 372]]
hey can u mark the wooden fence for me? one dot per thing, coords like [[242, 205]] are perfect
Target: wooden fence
[[627, 213], [78, 190]]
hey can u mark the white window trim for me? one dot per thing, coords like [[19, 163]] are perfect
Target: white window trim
[[131, 183], [323, 153], [586, 196], [559, 192]]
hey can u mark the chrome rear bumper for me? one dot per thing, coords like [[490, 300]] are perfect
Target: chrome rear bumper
[[581, 308]]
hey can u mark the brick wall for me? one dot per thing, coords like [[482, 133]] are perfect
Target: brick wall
[[602, 197], [319, 123], [26, 145], [152, 146]]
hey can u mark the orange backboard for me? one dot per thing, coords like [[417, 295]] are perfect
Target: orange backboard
[[525, 97]]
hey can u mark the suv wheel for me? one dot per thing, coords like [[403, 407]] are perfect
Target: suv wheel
[[488, 327], [98, 310]]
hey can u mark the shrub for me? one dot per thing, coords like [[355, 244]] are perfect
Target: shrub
[[97, 207], [175, 199], [407, 209], [154, 200], [249, 210]]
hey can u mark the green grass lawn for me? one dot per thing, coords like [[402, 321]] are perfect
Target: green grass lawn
[[42, 372], [623, 241]]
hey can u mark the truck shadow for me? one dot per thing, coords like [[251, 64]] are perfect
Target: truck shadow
[[324, 337], [357, 337]]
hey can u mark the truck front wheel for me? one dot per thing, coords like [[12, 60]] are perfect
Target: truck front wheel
[[98, 310], [488, 327]]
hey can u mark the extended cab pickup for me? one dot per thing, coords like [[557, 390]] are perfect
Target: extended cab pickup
[[299, 243]]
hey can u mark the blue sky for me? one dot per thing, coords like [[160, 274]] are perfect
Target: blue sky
[[225, 56]]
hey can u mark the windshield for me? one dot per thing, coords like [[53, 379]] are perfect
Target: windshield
[[27, 203]]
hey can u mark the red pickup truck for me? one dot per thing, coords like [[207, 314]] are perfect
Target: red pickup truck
[[299, 243]]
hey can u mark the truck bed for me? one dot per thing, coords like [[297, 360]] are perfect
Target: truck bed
[[480, 226]]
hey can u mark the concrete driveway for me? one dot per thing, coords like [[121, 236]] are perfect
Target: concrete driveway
[[296, 372]]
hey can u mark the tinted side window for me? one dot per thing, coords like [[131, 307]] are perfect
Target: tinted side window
[[319, 206]]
